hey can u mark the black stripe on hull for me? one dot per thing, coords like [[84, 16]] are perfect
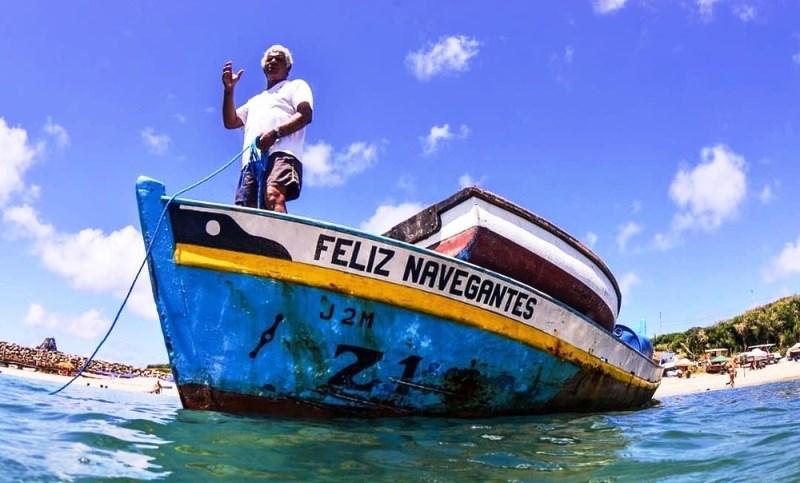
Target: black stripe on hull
[[216, 230]]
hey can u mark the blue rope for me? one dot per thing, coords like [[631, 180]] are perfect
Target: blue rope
[[252, 147], [258, 170]]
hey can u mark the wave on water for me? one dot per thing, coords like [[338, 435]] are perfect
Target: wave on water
[[89, 433], [79, 433]]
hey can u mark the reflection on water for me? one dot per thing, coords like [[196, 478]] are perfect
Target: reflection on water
[[737, 434], [418, 448]]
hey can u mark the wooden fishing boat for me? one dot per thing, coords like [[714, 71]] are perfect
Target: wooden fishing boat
[[271, 313], [482, 228]]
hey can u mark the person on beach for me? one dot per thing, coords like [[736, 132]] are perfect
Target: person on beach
[[276, 119], [732, 372], [157, 388]]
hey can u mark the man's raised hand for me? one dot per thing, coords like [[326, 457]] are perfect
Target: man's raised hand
[[229, 79]]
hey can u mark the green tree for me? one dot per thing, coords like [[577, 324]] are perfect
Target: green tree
[[777, 323]]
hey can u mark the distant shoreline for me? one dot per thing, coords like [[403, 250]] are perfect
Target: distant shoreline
[[670, 386], [50, 360], [133, 384], [702, 382]]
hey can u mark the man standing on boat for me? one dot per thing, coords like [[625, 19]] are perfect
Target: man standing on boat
[[276, 118]]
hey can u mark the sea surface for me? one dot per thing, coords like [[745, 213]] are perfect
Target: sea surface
[[93, 434]]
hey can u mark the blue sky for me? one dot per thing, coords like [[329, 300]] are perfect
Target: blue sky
[[665, 135]]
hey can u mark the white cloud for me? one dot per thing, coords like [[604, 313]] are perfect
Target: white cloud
[[625, 233], [766, 195], [26, 221], [796, 58], [92, 260], [450, 54], [608, 6], [58, 133], [317, 163], [706, 8], [156, 143], [785, 264], [210, 110], [439, 135], [745, 13], [324, 167], [711, 193], [591, 239], [386, 216], [89, 260], [707, 195], [16, 156], [406, 183], [180, 118], [88, 325], [636, 206], [665, 241], [466, 180], [31, 193], [627, 282]]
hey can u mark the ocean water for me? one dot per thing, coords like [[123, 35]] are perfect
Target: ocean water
[[92, 434]]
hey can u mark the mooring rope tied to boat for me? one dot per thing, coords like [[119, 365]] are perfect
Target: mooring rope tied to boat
[[252, 147]]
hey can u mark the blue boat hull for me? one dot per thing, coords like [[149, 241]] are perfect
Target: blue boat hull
[[250, 330]]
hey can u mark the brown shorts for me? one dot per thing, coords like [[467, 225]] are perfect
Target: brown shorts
[[286, 172], [282, 170]]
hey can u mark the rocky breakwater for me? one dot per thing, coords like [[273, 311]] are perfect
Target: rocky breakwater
[[56, 362]]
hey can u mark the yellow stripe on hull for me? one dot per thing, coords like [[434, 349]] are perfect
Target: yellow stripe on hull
[[399, 296]]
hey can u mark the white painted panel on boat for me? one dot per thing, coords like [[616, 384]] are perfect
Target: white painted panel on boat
[[477, 212]]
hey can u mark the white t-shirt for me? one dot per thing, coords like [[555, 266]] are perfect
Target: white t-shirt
[[270, 109]]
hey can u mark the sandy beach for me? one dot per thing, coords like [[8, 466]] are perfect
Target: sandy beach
[[135, 384], [701, 382], [670, 386]]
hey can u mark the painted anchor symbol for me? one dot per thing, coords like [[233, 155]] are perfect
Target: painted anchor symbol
[[267, 336]]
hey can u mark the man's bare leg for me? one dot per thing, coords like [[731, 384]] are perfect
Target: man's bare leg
[[276, 199]]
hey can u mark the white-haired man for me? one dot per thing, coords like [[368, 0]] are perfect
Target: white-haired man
[[277, 118]]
